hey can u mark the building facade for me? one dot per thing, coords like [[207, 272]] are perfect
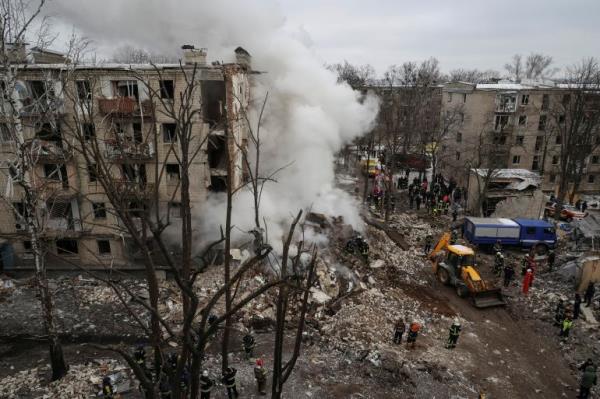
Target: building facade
[[128, 112], [510, 126]]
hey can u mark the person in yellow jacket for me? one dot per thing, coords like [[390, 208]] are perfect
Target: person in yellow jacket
[[566, 326]]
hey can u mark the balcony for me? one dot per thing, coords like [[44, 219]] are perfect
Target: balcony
[[125, 106], [130, 188], [123, 150], [49, 151]]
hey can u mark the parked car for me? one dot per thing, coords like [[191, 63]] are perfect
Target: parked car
[[568, 212]]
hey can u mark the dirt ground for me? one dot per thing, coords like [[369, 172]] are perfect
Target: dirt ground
[[507, 352]]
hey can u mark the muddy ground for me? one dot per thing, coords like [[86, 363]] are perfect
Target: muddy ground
[[508, 352]]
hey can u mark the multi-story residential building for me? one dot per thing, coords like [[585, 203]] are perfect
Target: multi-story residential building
[[510, 125], [135, 135]]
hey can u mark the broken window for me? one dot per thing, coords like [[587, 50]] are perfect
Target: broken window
[[172, 171], [84, 90], [67, 247], [217, 184], [535, 165], [499, 139], [542, 122], [558, 139], [217, 155], [458, 137], [136, 208], [50, 133], [566, 99], [89, 131], [591, 178], [539, 141], [56, 172], [595, 159], [137, 133], [516, 159], [561, 118], [554, 159], [519, 140], [92, 173], [169, 132], [38, 89], [99, 210], [501, 122], [5, 133], [167, 89], [175, 209], [449, 97], [505, 103], [134, 172], [525, 99], [213, 100], [103, 247], [59, 209], [522, 120], [545, 102], [126, 88], [27, 246]]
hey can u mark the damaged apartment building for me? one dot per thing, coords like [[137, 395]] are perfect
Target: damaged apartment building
[[508, 125], [134, 136]]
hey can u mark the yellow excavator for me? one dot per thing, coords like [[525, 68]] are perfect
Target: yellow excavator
[[454, 265]]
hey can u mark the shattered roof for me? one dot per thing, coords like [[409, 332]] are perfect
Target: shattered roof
[[589, 226], [521, 179]]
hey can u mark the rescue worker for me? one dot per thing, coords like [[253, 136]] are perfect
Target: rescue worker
[[260, 373], [589, 294], [551, 259], [567, 324], [428, 244], [206, 385], [184, 381], [172, 361], [107, 389], [418, 201], [509, 272], [527, 281], [584, 365], [559, 313], [164, 387], [140, 356], [413, 333], [453, 237], [454, 334], [399, 331], [498, 246], [498, 264], [588, 380], [229, 381], [577, 306], [454, 213], [249, 345]]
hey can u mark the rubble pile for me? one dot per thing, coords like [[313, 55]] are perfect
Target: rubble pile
[[414, 229], [82, 380]]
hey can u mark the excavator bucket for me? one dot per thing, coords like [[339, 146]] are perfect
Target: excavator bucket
[[488, 298]]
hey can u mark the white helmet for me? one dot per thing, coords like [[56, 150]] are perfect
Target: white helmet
[[456, 321], [205, 373]]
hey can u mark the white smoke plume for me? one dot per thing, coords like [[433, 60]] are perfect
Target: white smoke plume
[[308, 117]]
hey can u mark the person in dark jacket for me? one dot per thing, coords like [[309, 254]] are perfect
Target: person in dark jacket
[[588, 380], [577, 306], [249, 345], [229, 381], [399, 331], [428, 244], [206, 385], [509, 272], [588, 362], [108, 391], [551, 260], [589, 294], [454, 334], [559, 313]]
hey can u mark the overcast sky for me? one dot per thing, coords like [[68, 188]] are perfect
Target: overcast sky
[[480, 34], [460, 33]]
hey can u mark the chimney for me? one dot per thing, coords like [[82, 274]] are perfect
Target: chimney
[[243, 57], [192, 55]]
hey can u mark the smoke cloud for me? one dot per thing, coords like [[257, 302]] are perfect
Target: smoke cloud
[[308, 116]]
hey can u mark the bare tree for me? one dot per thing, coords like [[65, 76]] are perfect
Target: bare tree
[[127, 54], [472, 75], [576, 120], [535, 66], [357, 76], [35, 193]]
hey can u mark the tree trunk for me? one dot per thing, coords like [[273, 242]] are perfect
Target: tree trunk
[[57, 360]]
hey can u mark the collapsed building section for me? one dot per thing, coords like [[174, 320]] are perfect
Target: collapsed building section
[[121, 110]]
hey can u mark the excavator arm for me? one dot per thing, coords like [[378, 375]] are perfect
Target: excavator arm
[[441, 244]]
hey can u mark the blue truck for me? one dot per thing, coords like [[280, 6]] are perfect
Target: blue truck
[[525, 233]]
